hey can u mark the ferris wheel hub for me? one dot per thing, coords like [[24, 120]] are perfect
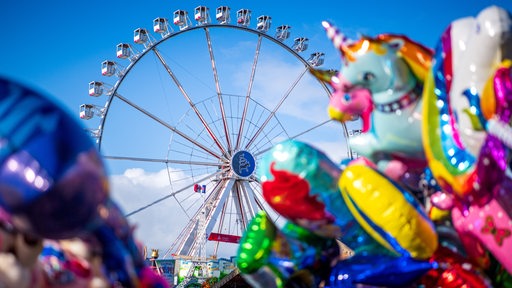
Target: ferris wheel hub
[[243, 164]]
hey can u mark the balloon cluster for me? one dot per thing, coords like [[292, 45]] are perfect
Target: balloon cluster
[[59, 226], [429, 202]]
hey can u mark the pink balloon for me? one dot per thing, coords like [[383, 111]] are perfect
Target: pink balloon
[[485, 227]]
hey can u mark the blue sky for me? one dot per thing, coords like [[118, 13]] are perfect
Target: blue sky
[[57, 47]]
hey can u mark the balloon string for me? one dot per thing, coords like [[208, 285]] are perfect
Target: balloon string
[[500, 130]]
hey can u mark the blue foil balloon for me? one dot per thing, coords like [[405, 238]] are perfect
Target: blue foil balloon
[[382, 271], [51, 175]]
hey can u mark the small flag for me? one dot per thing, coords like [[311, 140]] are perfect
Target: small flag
[[200, 188]]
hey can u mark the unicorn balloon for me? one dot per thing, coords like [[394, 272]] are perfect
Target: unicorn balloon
[[381, 80]]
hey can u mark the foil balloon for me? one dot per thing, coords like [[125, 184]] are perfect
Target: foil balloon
[[346, 103], [380, 271], [449, 238], [453, 271], [381, 80], [269, 257], [454, 163], [475, 47], [301, 183], [51, 175], [485, 229], [473, 171], [388, 212], [18, 256]]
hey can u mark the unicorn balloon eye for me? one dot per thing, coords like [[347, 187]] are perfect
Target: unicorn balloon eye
[[367, 79], [368, 76]]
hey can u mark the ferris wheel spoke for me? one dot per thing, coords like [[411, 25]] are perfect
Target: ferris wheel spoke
[[260, 204], [171, 195], [266, 141], [192, 105], [257, 192], [263, 150], [172, 128], [250, 197], [169, 161], [217, 88], [217, 206], [237, 202], [248, 95], [183, 236], [242, 205], [221, 224], [272, 114]]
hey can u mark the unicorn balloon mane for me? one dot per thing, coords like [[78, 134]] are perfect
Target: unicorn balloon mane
[[381, 80]]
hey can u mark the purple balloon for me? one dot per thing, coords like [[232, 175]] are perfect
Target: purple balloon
[[52, 177]]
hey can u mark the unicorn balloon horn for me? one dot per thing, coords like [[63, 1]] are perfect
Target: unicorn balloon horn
[[339, 40]]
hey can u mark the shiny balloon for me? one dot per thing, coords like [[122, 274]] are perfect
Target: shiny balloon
[[478, 216], [380, 80], [301, 183], [51, 175], [456, 134], [388, 212], [498, 275], [122, 259], [256, 243], [454, 271], [381, 271]]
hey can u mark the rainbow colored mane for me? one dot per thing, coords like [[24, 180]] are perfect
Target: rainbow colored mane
[[452, 165], [417, 56]]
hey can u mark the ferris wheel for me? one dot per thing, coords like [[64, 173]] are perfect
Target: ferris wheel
[[194, 106]]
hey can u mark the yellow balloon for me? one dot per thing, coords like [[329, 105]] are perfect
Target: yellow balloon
[[387, 212]]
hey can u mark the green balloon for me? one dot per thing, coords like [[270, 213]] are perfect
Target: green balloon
[[256, 243]]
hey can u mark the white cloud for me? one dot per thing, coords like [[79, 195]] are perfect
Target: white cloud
[[155, 226], [138, 176]]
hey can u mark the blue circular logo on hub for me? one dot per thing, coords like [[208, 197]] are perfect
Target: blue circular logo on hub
[[243, 163]]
